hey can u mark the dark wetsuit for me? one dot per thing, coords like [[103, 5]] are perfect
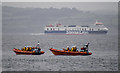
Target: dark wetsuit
[[39, 49], [86, 47]]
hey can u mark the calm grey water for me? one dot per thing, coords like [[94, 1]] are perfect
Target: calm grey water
[[103, 47]]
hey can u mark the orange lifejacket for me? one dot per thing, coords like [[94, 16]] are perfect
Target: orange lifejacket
[[68, 49]]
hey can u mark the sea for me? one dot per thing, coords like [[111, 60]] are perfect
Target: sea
[[104, 48]]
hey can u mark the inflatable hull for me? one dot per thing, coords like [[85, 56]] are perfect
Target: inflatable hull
[[62, 52], [20, 52]]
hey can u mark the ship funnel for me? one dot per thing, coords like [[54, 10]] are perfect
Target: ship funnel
[[98, 23]]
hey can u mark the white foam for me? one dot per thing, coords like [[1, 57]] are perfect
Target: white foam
[[36, 33]]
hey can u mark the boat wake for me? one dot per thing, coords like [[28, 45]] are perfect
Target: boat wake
[[36, 33]]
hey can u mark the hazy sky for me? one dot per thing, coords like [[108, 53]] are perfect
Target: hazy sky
[[60, 0], [79, 5]]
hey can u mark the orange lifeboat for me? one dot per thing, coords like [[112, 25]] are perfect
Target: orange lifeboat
[[63, 52], [18, 52]]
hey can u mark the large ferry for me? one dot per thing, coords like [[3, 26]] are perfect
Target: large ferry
[[97, 28]]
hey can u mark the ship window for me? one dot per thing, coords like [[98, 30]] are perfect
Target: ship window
[[47, 28], [92, 29], [51, 28]]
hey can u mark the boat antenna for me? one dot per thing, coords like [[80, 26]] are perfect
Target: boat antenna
[[38, 42]]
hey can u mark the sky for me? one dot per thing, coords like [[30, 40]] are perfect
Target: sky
[[86, 6], [60, 0]]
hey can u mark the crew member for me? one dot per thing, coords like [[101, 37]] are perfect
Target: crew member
[[68, 48], [74, 48], [38, 47], [86, 47]]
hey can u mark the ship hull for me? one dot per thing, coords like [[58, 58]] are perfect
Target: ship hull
[[75, 33], [61, 52], [55, 32], [20, 52], [97, 32]]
